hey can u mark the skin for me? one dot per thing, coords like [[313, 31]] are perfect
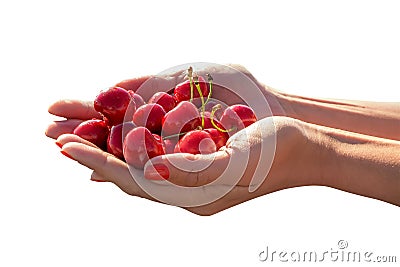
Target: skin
[[347, 145]]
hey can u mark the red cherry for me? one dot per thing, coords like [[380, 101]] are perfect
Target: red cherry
[[116, 137], [208, 123], [182, 90], [150, 116], [196, 142], [238, 117], [140, 145], [94, 131], [113, 104], [207, 119], [218, 137], [211, 104], [169, 145], [165, 100], [183, 118], [136, 98], [159, 139]]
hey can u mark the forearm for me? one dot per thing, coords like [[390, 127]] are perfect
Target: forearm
[[359, 164], [370, 118]]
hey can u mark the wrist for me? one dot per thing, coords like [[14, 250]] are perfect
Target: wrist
[[359, 164], [298, 155], [369, 118], [304, 109], [281, 104], [313, 155]]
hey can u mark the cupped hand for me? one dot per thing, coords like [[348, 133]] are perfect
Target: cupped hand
[[269, 153], [195, 182]]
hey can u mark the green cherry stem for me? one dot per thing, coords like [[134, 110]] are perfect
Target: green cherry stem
[[190, 75], [203, 105], [210, 82], [214, 109], [174, 135]]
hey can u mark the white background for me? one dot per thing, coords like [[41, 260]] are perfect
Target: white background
[[52, 215]]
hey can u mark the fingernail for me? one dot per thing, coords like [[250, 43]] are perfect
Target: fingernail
[[67, 155], [99, 181], [157, 172], [59, 144]]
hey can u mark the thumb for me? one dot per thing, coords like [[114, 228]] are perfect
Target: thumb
[[187, 169]]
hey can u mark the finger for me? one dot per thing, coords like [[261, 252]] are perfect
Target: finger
[[156, 84], [74, 109], [105, 165], [242, 69], [69, 138], [188, 170], [109, 168], [236, 85], [132, 84], [229, 97], [57, 128], [97, 177]]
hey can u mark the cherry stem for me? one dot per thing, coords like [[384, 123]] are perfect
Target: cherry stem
[[190, 71], [214, 109], [174, 135], [190, 75], [203, 105], [210, 82]]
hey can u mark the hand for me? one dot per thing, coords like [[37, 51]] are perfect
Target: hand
[[245, 143], [264, 172]]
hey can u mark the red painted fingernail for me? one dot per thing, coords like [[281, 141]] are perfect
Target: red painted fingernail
[[99, 181], [59, 144], [157, 172], [66, 154]]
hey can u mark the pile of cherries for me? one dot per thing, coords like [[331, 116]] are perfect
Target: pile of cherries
[[187, 121]]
